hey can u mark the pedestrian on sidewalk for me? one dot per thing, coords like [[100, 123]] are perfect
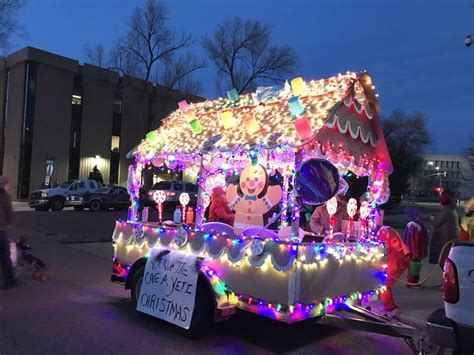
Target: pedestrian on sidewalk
[[445, 228], [397, 261], [467, 222], [416, 238], [6, 219]]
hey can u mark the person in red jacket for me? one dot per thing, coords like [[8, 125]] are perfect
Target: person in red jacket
[[416, 239], [397, 261], [219, 210]]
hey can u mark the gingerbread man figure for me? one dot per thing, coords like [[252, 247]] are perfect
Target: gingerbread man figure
[[252, 198]]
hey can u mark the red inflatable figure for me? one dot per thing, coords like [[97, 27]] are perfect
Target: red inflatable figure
[[397, 262]]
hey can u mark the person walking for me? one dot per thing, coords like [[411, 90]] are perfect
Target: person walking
[[467, 222], [6, 219], [445, 228], [416, 239]]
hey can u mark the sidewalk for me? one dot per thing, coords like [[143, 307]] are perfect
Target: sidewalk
[[21, 206]]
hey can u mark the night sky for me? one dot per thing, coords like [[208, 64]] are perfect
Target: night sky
[[413, 50]]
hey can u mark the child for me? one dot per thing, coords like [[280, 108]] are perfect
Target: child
[[416, 239], [25, 251], [397, 261]]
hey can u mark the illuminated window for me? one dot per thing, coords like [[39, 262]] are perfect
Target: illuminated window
[[76, 100], [115, 144]]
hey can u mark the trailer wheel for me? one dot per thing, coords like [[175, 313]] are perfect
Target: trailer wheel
[[137, 280], [203, 308]]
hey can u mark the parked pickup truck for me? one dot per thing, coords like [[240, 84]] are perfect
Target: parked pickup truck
[[54, 198], [453, 326]]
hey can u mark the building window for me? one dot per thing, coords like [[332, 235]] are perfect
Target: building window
[[436, 163], [115, 145], [117, 106], [457, 165], [76, 100]]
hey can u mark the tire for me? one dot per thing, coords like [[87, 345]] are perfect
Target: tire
[[203, 304], [203, 308], [56, 204], [137, 279], [95, 206], [79, 208], [42, 208]]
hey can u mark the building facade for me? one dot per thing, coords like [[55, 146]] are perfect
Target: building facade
[[441, 172], [62, 118]]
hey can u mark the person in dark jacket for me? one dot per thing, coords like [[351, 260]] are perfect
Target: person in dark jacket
[[445, 228], [6, 219], [219, 210]]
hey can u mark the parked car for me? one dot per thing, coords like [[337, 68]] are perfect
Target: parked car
[[173, 189], [453, 326], [115, 197], [55, 198]]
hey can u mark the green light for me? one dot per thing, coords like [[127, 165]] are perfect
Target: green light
[[152, 137]]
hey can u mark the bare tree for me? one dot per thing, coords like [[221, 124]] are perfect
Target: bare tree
[[9, 25], [406, 136], [245, 56], [95, 55], [150, 42]]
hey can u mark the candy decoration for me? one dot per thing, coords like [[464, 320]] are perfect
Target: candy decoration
[[183, 200], [331, 207], [303, 128], [351, 211]]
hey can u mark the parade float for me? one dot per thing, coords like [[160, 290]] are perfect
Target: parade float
[[272, 151]]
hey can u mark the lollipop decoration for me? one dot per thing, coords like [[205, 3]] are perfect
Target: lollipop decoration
[[331, 206], [351, 211], [183, 200], [159, 197], [364, 214]]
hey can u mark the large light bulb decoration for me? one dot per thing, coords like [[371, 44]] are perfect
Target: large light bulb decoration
[[159, 197], [351, 211], [183, 200], [331, 207]]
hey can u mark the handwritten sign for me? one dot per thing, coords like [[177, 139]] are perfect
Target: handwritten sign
[[169, 286]]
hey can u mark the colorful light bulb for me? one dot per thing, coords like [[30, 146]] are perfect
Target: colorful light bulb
[[298, 86], [196, 127], [233, 95], [251, 124], [296, 108], [183, 106], [152, 137], [303, 128], [228, 119]]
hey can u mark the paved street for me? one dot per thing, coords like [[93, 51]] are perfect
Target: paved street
[[79, 311]]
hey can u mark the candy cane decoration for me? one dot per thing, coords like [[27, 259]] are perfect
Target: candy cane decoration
[[351, 211], [159, 197]]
